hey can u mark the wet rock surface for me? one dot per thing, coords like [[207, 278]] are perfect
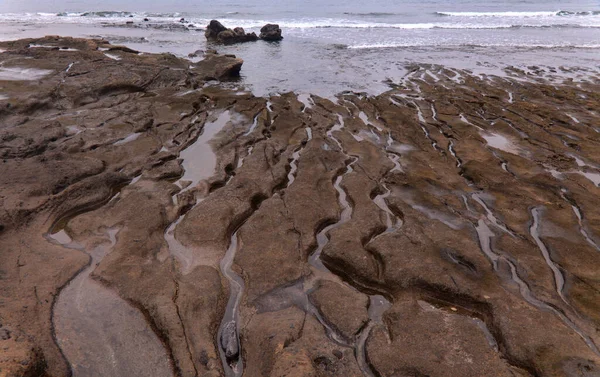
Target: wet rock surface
[[446, 227], [216, 32], [270, 32]]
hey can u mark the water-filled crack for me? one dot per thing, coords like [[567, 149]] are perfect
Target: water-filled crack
[[485, 236], [229, 338], [579, 214], [534, 230], [295, 157]]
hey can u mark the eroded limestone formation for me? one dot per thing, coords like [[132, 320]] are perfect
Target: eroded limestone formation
[[447, 227]]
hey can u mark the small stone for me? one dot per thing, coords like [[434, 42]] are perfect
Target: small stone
[[4, 334], [229, 341]]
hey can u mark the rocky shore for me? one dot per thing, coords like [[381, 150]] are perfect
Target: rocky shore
[[216, 32], [154, 223]]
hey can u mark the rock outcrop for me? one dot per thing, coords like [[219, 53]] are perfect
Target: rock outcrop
[[213, 29], [216, 32], [219, 67], [270, 32], [448, 227]]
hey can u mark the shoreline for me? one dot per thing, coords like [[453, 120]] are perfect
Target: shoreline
[[443, 226], [316, 64]]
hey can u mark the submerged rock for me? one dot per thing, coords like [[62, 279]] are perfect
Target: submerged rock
[[270, 32], [195, 54]]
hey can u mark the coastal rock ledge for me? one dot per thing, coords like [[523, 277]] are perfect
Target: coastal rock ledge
[[157, 224]]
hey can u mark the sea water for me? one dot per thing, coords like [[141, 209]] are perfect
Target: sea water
[[336, 45]]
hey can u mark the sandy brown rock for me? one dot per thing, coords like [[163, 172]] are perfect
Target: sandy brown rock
[[345, 308], [470, 205]]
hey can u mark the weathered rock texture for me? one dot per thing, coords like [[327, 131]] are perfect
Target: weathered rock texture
[[448, 227], [216, 32], [270, 32]]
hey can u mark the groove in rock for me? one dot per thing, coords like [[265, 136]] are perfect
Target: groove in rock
[[295, 157], [534, 230], [99, 332], [229, 338], [579, 214], [485, 241]]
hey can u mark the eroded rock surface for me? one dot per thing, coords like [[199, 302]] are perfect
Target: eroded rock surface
[[446, 227], [216, 32], [270, 32]]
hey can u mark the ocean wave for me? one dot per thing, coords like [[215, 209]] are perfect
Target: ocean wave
[[117, 17], [375, 14], [101, 14], [514, 14], [85, 17], [422, 26], [391, 45], [109, 14], [353, 24]]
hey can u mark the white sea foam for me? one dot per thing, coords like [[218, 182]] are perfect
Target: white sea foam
[[502, 14], [383, 45], [538, 19]]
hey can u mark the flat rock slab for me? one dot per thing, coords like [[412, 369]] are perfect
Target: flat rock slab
[[449, 225]]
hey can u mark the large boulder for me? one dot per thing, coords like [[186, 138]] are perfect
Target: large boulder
[[218, 67], [216, 32], [213, 29], [270, 32]]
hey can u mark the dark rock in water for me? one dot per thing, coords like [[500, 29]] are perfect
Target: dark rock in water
[[216, 32], [213, 29], [195, 54], [231, 37], [129, 22], [145, 19], [123, 49], [226, 35], [229, 341], [270, 32]]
